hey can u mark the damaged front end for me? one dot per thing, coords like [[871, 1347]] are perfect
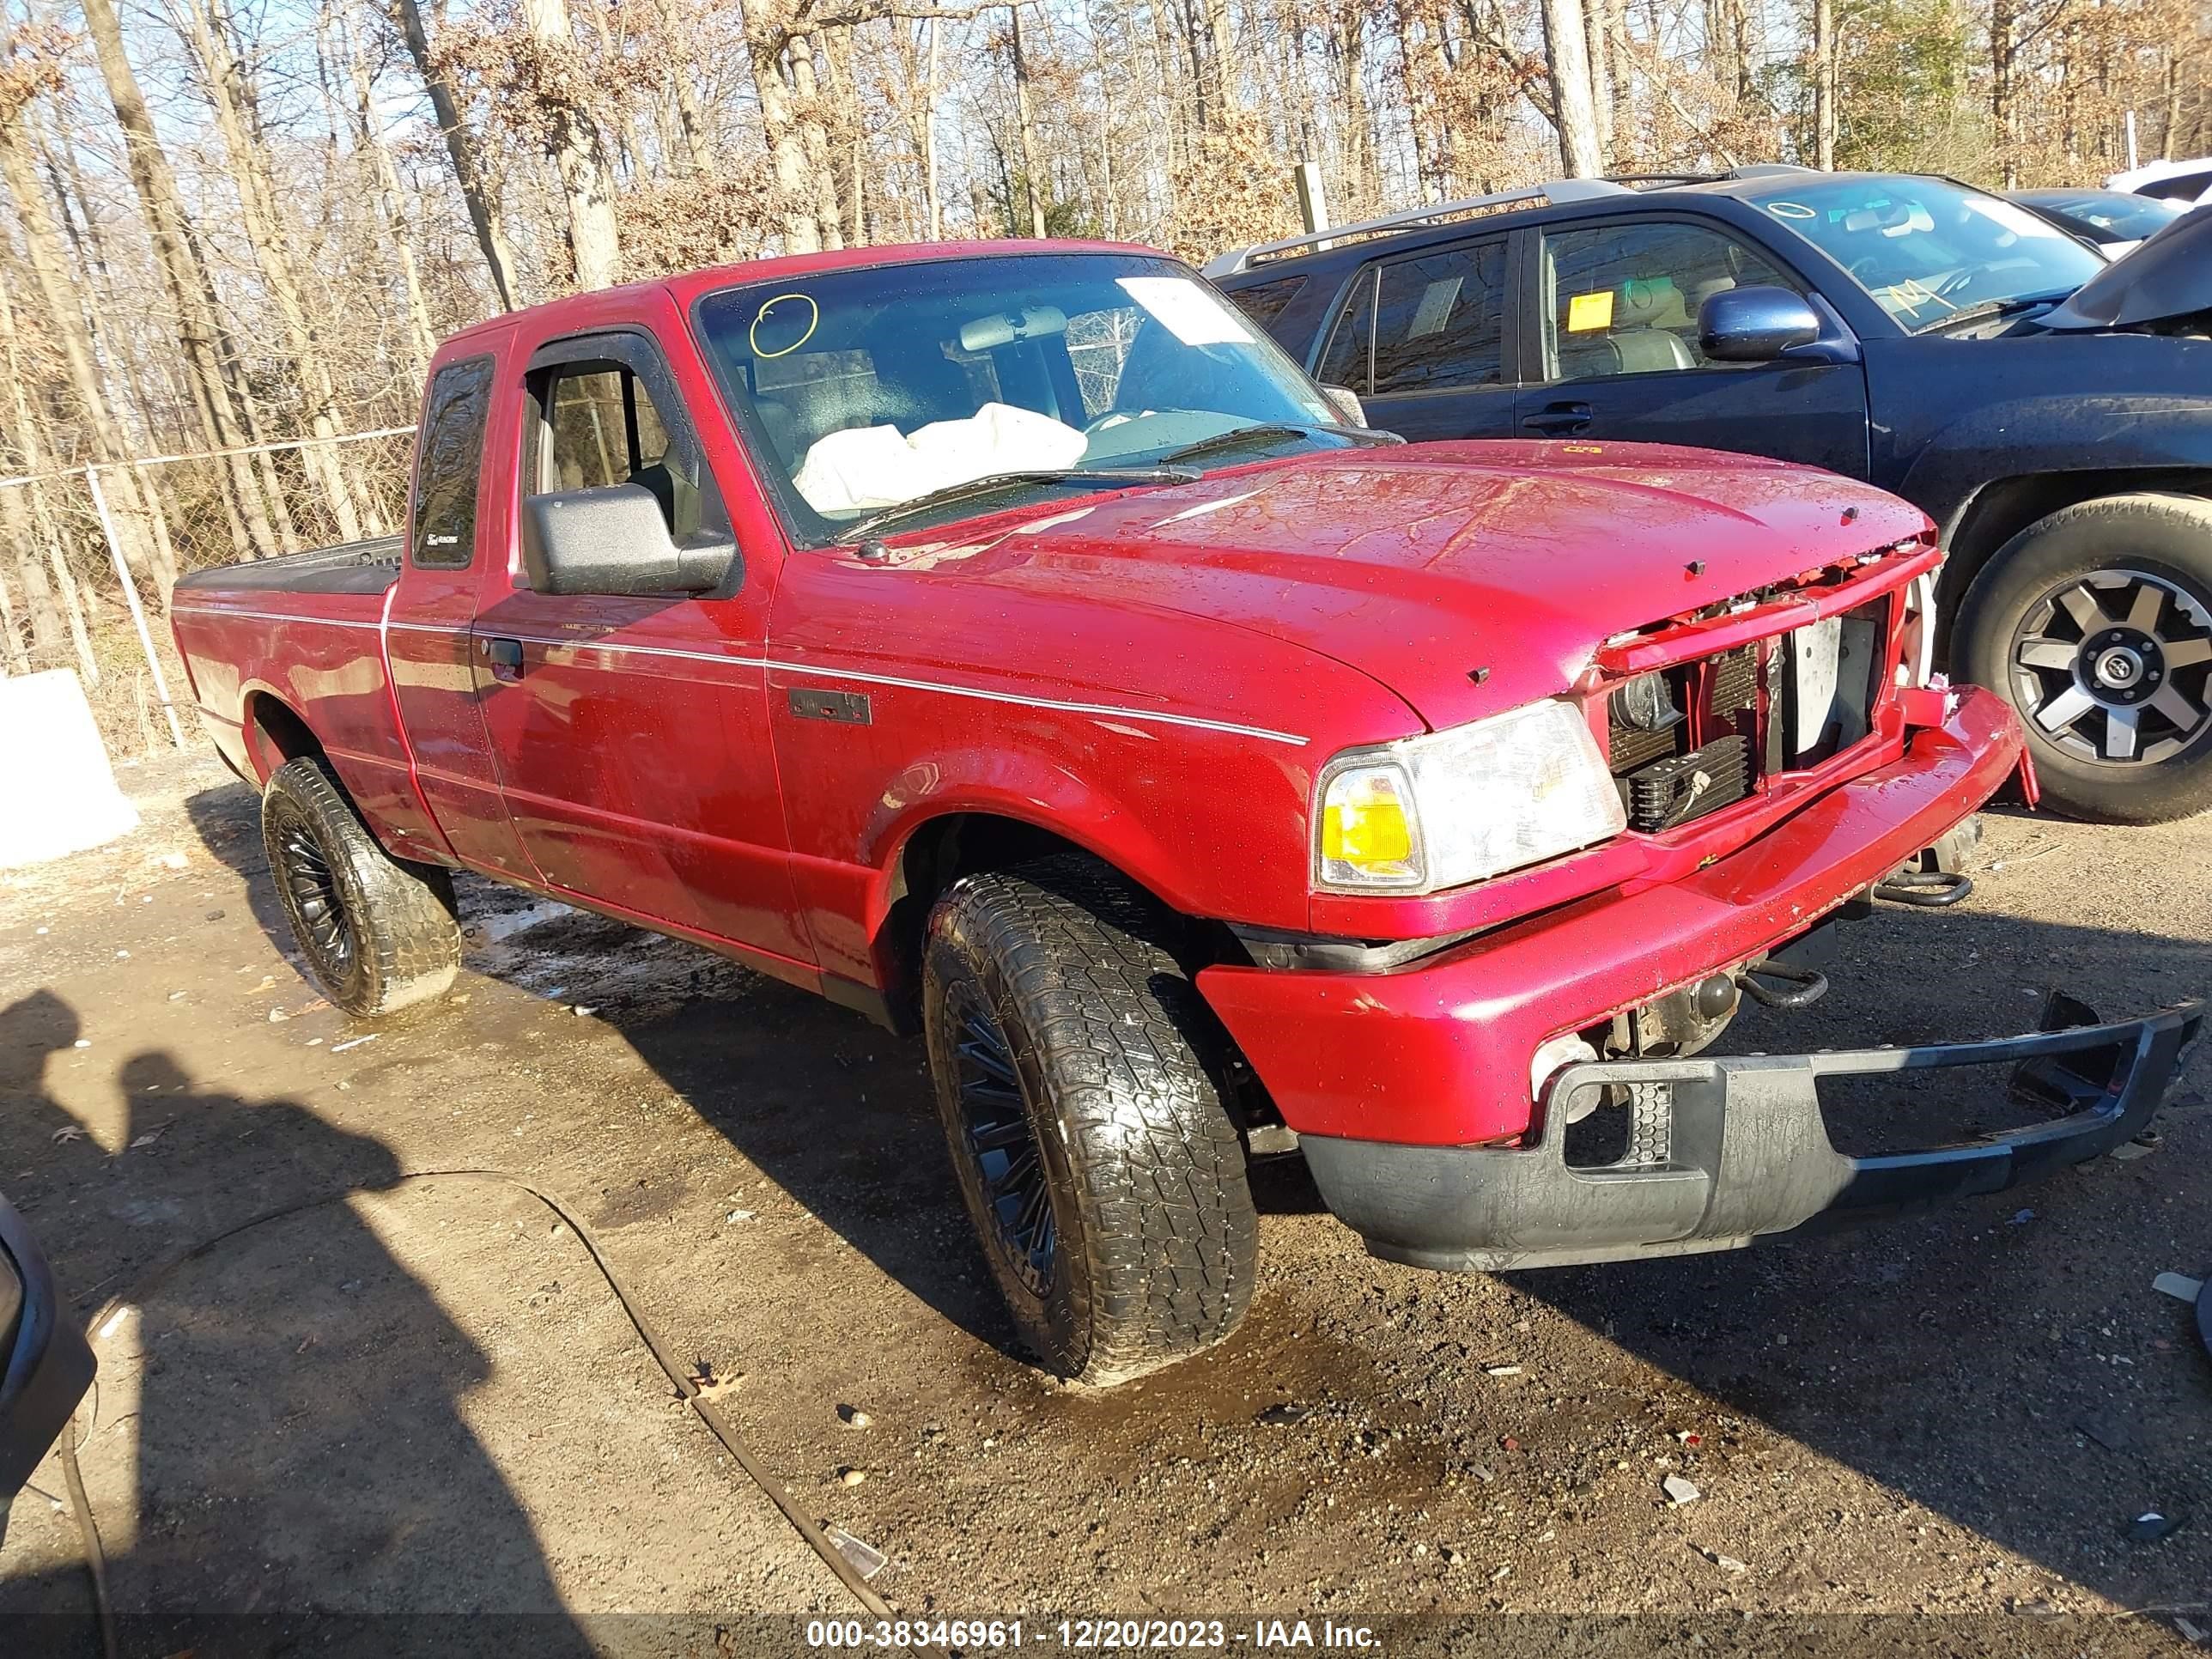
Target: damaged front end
[[1719, 1151], [2163, 287]]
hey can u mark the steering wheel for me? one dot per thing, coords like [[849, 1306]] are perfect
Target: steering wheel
[[1955, 281]]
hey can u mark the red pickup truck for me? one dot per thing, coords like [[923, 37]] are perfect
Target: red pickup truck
[[1014, 646]]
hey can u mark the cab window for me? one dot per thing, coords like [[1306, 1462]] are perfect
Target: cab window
[[1440, 321], [1351, 343], [602, 428], [1623, 299]]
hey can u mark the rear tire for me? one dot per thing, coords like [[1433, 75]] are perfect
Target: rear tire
[[2095, 624], [1076, 1076], [378, 933]]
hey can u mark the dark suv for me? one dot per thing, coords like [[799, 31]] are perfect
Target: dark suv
[[2052, 413]]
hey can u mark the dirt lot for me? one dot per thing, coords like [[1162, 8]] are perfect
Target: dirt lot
[[424, 1401]]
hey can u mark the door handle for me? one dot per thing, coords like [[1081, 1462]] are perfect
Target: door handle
[[505, 657], [1558, 419]]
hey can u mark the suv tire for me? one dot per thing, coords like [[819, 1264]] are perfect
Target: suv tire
[[378, 933], [2135, 672], [1077, 1074]]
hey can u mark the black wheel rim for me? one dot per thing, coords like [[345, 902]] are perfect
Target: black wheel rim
[[2115, 667], [311, 894], [1002, 1147]]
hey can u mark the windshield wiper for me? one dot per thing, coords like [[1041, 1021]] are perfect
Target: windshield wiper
[[1105, 477], [1992, 308], [1269, 432]]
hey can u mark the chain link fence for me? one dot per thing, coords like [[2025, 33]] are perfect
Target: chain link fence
[[88, 556]]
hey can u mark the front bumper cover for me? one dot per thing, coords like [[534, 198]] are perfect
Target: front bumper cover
[[1723, 1149]]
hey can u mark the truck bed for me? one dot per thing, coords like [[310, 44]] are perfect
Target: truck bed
[[368, 566], [306, 631]]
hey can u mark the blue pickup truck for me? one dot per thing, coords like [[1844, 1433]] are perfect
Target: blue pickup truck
[[2050, 411]]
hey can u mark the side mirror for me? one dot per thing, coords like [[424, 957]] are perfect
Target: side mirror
[[1347, 404], [1755, 324], [615, 540]]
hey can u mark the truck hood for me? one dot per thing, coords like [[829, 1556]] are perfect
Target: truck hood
[[1466, 577], [2165, 280]]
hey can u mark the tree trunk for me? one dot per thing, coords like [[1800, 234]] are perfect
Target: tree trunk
[[821, 180], [66, 316], [574, 145], [1032, 182], [786, 148], [1824, 84], [182, 274], [468, 168], [45, 614], [690, 121], [1574, 112], [270, 239], [392, 211], [19, 660], [1600, 76], [929, 139], [30, 445]]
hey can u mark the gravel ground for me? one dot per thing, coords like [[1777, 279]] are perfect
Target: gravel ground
[[423, 1402]]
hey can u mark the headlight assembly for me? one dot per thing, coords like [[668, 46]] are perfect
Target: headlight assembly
[[1451, 807]]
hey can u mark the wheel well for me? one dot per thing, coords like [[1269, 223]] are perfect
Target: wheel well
[[275, 734], [935, 856], [2001, 509]]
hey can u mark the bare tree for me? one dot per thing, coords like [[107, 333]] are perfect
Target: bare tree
[[181, 272], [573, 143], [1566, 50], [460, 145]]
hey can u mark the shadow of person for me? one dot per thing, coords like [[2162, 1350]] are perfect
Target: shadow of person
[[293, 1397], [32, 1030]]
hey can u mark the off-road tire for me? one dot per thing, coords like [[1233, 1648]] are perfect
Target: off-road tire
[[401, 944], [1118, 1066], [2164, 535]]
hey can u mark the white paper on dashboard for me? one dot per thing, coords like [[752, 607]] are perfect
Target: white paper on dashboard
[[1187, 311]]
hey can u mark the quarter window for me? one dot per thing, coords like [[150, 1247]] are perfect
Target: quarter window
[[1623, 299], [1264, 301], [444, 533]]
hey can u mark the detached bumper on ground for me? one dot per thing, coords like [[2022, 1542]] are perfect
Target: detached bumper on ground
[[1404, 1086]]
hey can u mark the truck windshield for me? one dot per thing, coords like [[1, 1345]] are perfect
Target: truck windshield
[[1928, 249], [862, 389]]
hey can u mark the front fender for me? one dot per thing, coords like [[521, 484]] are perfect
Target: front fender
[[1026, 789], [2124, 435]]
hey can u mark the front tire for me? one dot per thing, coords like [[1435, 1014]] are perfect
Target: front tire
[[2096, 624], [378, 933], [1076, 1072]]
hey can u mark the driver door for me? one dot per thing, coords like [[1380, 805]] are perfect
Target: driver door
[[631, 732], [1613, 328]]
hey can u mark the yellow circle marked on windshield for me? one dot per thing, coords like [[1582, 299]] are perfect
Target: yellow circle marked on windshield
[[813, 322]]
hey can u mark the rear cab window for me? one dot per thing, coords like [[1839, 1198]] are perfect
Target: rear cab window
[[444, 533]]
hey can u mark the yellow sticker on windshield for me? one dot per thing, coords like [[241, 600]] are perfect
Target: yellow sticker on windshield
[[1588, 310]]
